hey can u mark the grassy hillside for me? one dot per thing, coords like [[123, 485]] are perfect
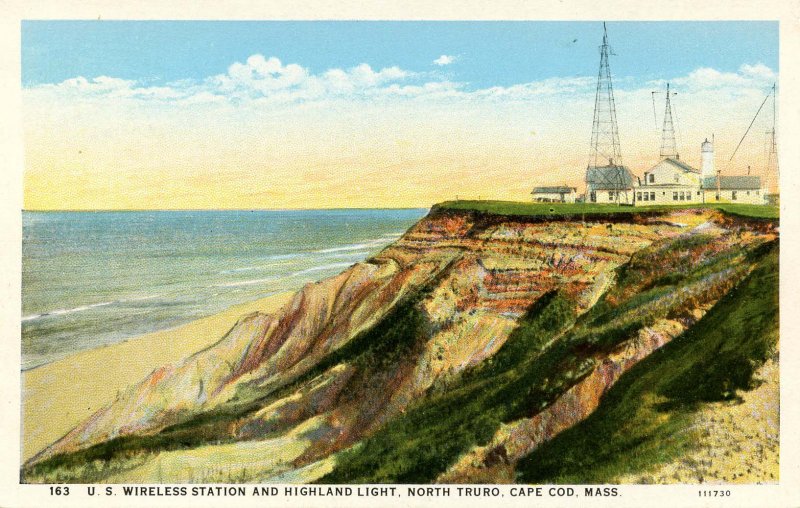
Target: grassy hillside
[[418, 446], [642, 421], [545, 356], [576, 210]]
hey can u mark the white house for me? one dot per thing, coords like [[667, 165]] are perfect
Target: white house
[[555, 194], [671, 181]]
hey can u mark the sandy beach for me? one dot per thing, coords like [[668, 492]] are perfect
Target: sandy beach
[[57, 396]]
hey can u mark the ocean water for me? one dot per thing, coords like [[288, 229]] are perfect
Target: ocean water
[[95, 278]]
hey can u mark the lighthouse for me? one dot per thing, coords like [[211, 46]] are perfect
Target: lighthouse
[[707, 156]]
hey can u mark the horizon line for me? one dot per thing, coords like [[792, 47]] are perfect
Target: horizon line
[[38, 210]]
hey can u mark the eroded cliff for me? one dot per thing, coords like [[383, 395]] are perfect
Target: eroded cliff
[[449, 356]]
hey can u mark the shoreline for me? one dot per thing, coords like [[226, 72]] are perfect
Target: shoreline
[[58, 395]]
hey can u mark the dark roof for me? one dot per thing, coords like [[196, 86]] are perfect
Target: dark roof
[[745, 182], [553, 190], [682, 165], [609, 177]]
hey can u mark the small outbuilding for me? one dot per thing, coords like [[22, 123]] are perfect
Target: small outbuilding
[[556, 194], [734, 189]]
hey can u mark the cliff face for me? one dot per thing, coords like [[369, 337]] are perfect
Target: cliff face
[[515, 440], [352, 354]]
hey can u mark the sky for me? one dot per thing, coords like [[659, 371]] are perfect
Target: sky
[[185, 114]]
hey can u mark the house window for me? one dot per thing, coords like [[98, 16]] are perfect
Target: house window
[[611, 196], [652, 196], [748, 193], [677, 178], [638, 196], [718, 196], [652, 177], [646, 197], [733, 194], [698, 194], [593, 197]]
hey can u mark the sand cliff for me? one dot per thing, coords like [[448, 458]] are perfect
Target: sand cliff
[[283, 393]]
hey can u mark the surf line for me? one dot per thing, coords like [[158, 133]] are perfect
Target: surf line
[[67, 311], [90, 306]]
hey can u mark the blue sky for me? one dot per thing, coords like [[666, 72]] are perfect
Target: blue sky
[[487, 53], [126, 114]]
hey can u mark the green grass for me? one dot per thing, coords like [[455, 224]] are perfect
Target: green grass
[[419, 445], [531, 370], [642, 421], [595, 210], [750, 211], [383, 345]]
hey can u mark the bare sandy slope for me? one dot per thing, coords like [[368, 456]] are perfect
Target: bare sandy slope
[[59, 395], [737, 442]]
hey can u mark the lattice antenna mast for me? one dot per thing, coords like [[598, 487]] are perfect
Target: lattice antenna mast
[[668, 146], [773, 150], [772, 158], [605, 136]]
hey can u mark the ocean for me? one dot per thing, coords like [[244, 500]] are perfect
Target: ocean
[[96, 278]]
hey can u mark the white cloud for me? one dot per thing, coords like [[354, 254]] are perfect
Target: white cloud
[[105, 86], [756, 76], [261, 78], [444, 60], [433, 89], [258, 78], [545, 87], [758, 71], [260, 75], [270, 81], [360, 78], [100, 84]]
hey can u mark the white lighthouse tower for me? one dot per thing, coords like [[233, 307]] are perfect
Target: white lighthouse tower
[[707, 155]]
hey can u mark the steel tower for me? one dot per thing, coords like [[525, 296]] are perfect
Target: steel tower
[[605, 135], [772, 158], [668, 147], [605, 152]]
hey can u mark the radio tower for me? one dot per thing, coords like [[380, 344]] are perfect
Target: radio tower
[[605, 135], [668, 148], [772, 159]]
